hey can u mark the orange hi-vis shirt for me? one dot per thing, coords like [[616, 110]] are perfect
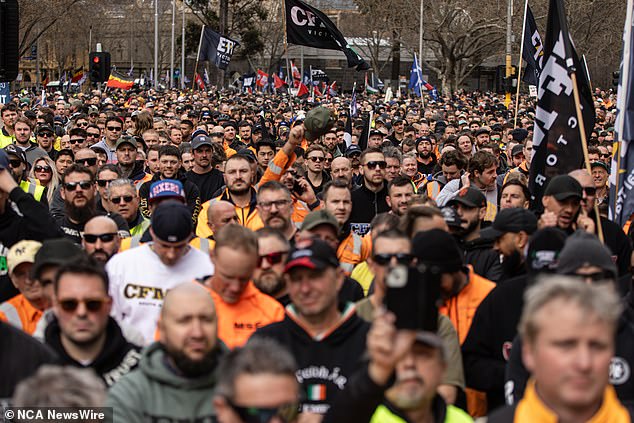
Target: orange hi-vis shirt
[[19, 312], [353, 250], [237, 322]]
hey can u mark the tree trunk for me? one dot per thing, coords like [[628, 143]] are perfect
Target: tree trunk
[[396, 60]]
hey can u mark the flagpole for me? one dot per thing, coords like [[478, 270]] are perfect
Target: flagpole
[[182, 73], [172, 44], [202, 31], [156, 77], [519, 66], [585, 65]]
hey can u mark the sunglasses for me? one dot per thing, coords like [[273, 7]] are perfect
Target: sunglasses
[[595, 277], [15, 163], [104, 182], [125, 198], [286, 413], [87, 162], [316, 159], [39, 168], [217, 134], [272, 258], [114, 128], [72, 186], [82, 124], [374, 164], [76, 140], [88, 134], [384, 259], [590, 190], [71, 304], [92, 238], [45, 134]]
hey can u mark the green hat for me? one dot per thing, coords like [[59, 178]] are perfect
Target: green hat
[[318, 121], [319, 217], [126, 139], [600, 164]]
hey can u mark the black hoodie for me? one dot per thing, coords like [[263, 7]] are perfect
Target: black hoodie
[[480, 254], [117, 358], [326, 362], [365, 205]]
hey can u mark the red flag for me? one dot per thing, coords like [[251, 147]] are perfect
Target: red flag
[[200, 82], [297, 77], [278, 82], [303, 90], [262, 78], [317, 93]]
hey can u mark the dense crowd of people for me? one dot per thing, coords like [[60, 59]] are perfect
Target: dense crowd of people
[[247, 257]]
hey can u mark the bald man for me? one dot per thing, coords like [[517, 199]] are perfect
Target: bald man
[[217, 134], [101, 238], [219, 214], [176, 375], [341, 168]]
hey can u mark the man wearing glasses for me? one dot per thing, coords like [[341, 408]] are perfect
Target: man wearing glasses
[[18, 167], [268, 277], [77, 139], [45, 138], [370, 199], [101, 239], [82, 333], [113, 128]]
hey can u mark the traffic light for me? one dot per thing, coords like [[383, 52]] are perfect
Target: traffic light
[[615, 79], [9, 24], [99, 66]]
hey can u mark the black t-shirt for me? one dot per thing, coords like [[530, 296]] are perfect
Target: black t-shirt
[[427, 169], [207, 183], [74, 231]]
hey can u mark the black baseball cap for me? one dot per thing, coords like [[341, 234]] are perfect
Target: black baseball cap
[[510, 220], [16, 151], [172, 222], [376, 132], [312, 254], [55, 252], [200, 140], [563, 187], [471, 197]]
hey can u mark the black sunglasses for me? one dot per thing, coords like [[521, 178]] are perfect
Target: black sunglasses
[[272, 258], [401, 258], [77, 140], [286, 412], [374, 164], [45, 134], [114, 128], [92, 238], [71, 304], [15, 163], [39, 168], [125, 198], [87, 162], [72, 186], [104, 182], [316, 159]]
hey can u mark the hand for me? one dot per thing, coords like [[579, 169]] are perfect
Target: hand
[[296, 135], [7, 183], [548, 219], [386, 345], [466, 182], [309, 418], [585, 222], [308, 196]]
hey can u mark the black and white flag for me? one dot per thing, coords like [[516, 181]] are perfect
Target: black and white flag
[[318, 75], [308, 26], [216, 48], [533, 52], [557, 144]]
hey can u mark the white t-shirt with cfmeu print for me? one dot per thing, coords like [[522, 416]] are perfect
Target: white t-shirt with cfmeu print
[[139, 281]]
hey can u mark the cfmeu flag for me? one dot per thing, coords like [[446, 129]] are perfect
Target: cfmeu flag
[[621, 205], [533, 53], [216, 48], [116, 80], [556, 140], [308, 26]]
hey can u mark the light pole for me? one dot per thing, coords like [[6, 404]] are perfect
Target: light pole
[[509, 66], [156, 76]]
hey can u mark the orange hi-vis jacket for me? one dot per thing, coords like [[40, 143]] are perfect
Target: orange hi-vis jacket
[[202, 244], [237, 322], [354, 249], [19, 312]]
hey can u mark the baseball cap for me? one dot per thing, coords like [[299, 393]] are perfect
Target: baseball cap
[[312, 254], [93, 110], [22, 252], [564, 186], [166, 188], [543, 250], [376, 132], [4, 160], [16, 151], [200, 140], [451, 217], [519, 134], [55, 252], [172, 222], [353, 149], [512, 220], [318, 121], [126, 140], [44, 128], [471, 197], [584, 249], [199, 131], [517, 149], [481, 131], [600, 164], [439, 250], [431, 339], [248, 154], [319, 217]]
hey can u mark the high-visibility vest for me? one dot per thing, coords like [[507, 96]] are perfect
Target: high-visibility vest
[[202, 244], [20, 313], [382, 414], [351, 255], [31, 187]]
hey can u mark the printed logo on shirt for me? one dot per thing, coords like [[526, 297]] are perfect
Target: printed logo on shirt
[[360, 229], [506, 350], [316, 392], [4, 269], [247, 325], [619, 371], [323, 373], [144, 292]]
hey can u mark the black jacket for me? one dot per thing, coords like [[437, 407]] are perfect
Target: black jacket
[[117, 358], [207, 183], [365, 205], [325, 365], [32, 222], [621, 375], [192, 196], [480, 254], [20, 357], [488, 343]]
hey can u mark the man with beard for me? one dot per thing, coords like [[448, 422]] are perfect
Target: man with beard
[[176, 376], [204, 175], [268, 277], [78, 192], [562, 206], [101, 239], [426, 158], [275, 207], [400, 193], [219, 214], [478, 250], [369, 200], [510, 231], [23, 130], [126, 151], [18, 166], [341, 168], [82, 333], [241, 307]]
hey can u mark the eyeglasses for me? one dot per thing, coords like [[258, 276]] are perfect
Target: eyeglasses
[[384, 259], [374, 164], [272, 258], [92, 238], [590, 190], [88, 134], [125, 198], [72, 186], [316, 159], [266, 205], [286, 412], [70, 305], [328, 160], [104, 182], [87, 162], [15, 163], [82, 124], [39, 168], [45, 134], [114, 128], [77, 140]]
